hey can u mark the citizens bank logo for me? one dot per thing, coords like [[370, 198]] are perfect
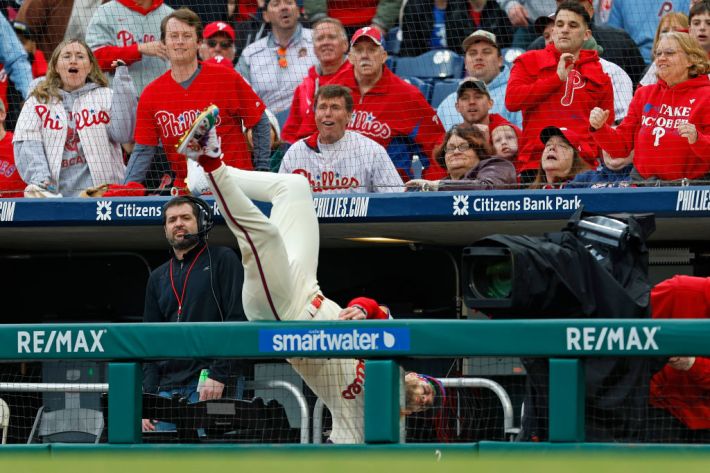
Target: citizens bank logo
[[333, 340], [460, 205], [103, 210]]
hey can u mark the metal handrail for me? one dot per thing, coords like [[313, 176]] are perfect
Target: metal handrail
[[104, 387]]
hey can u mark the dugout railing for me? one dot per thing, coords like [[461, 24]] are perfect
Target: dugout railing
[[382, 343]]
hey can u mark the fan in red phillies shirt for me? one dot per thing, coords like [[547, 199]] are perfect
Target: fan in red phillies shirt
[[558, 86], [330, 44], [386, 106]]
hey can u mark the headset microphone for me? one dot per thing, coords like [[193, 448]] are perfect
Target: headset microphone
[[205, 217]]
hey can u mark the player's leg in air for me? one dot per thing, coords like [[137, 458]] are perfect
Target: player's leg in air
[[279, 252], [280, 258]]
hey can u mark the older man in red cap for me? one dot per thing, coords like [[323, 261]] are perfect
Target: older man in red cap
[[387, 109], [218, 44]]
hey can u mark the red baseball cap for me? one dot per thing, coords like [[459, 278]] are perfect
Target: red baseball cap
[[218, 27], [370, 32]]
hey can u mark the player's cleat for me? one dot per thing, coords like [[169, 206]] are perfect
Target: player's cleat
[[193, 142]]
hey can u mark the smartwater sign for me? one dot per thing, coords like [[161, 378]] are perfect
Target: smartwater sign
[[340, 340]]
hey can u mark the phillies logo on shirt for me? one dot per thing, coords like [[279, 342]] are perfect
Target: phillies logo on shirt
[[172, 125], [328, 180], [574, 81], [366, 123], [127, 38], [47, 121], [89, 117]]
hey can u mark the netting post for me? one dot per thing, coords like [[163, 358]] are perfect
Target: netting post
[[125, 402], [382, 382], [566, 400]]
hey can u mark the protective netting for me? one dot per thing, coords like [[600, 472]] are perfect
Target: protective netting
[[647, 400], [95, 126]]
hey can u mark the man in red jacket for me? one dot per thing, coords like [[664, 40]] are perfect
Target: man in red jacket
[[330, 44], [387, 107], [558, 86], [679, 392]]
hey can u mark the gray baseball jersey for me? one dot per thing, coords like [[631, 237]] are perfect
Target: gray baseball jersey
[[114, 24]]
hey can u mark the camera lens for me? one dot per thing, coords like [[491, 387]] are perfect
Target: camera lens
[[491, 277]]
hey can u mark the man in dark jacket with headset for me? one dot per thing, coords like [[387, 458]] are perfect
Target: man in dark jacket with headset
[[199, 283]]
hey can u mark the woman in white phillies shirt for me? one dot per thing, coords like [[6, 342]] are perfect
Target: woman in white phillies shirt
[[69, 133], [280, 258]]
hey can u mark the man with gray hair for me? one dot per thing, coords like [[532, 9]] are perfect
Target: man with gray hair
[[331, 45]]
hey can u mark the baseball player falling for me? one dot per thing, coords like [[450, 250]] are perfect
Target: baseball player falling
[[280, 258]]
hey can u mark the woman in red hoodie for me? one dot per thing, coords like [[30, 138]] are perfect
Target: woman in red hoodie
[[668, 124]]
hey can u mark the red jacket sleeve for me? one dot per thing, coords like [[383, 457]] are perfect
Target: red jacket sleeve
[[701, 148], [290, 128], [619, 141], [371, 308], [105, 55], [430, 131], [146, 132], [700, 373], [250, 104], [39, 64], [525, 89]]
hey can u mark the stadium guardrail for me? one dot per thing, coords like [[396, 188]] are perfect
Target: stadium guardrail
[[565, 342]]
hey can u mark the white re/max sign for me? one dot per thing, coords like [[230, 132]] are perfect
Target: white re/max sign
[[608, 338]]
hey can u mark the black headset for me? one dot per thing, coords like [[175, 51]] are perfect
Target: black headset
[[205, 216]]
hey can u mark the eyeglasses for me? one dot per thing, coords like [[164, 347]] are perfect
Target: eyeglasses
[[225, 44], [281, 53], [462, 148]]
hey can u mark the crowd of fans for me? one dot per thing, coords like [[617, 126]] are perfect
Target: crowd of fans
[[607, 94]]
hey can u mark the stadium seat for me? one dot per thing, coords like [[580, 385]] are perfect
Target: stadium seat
[[73, 425], [391, 63], [424, 87], [4, 420], [393, 40], [439, 64], [443, 89], [282, 116]]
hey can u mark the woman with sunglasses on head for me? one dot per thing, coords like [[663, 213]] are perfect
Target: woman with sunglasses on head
[[467, 157]]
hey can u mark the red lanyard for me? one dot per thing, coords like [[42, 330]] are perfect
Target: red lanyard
[[181, 298]]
